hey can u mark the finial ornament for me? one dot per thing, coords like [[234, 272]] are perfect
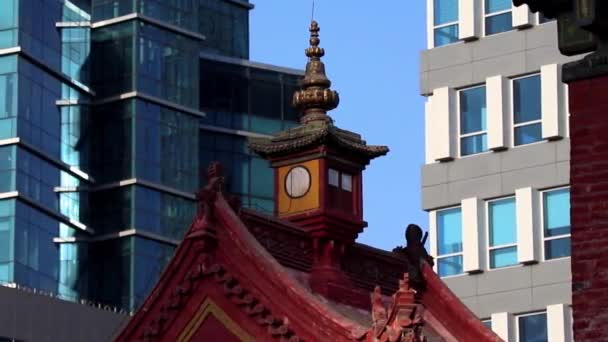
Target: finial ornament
[[315, 98]]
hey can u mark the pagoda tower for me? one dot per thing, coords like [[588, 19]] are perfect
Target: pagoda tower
[[318, 170]]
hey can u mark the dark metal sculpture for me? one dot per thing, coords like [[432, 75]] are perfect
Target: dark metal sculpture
[[416, 254], [582, 28]]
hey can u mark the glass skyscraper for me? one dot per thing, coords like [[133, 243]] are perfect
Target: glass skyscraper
[[109, 111]]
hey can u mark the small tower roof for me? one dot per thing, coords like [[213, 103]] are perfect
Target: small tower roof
[[316, 127]]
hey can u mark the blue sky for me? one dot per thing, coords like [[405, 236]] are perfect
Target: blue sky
[[372, 57]]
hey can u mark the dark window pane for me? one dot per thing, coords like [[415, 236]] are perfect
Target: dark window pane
[[446, 35], [533, 328], [473, 110], [528, 134], [473, 144], [557, 248], [449, 266], [526, 99], [499, 23]]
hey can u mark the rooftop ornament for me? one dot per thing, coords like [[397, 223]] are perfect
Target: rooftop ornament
[[316, 98], [582, 27]]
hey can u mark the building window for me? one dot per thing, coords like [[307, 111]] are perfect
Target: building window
[[340, 180], [347, 182], [532, 327], [334, 177], [445, 28], [340, 190], [527, 110], [449, 242], [473, 130], [503, 233], [498, 17], [487, 323], [556, 223]]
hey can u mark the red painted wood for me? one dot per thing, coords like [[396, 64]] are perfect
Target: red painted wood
[[250, 279], [214, 330]]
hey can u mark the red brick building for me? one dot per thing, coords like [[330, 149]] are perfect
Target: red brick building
[[239, 275]]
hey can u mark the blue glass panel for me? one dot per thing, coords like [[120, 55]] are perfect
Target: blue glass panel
[[7, 128], [526, 99], [499, 23], [503, 257], [446, 11], [5, 272], [6, 229], [473, 110], [502, 222], [446, 35], [8, 95], [557, 212], [528, 134], [8, 14], [449, 231], [7, 158], [449, 266], [533, 328], [473, 144], [488, 324], [558, 248], [8, 64], [497, 5]]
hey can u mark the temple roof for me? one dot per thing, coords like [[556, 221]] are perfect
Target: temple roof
[[314, 134], [229, 269], [314, 100]]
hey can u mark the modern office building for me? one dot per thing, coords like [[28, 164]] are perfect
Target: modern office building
[[109, 110], [495, 180]]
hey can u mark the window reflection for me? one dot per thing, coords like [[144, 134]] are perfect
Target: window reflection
[[473, 121], [556, 223], [498, 16], [445, 22], [449, 242], [503, 233], [527, 110], [533, 328]]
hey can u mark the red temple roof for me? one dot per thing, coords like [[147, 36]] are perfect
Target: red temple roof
[[242, 276]]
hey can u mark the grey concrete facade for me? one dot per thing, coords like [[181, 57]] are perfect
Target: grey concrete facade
[[517, 289], [523, 288], [496, 174], [512, 53], [31, 317]]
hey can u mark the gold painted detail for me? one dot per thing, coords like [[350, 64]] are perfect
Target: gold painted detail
[[316, 98], [210, 308], [289, 205]]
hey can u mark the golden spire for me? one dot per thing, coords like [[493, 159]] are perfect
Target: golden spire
[[315, 99]]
